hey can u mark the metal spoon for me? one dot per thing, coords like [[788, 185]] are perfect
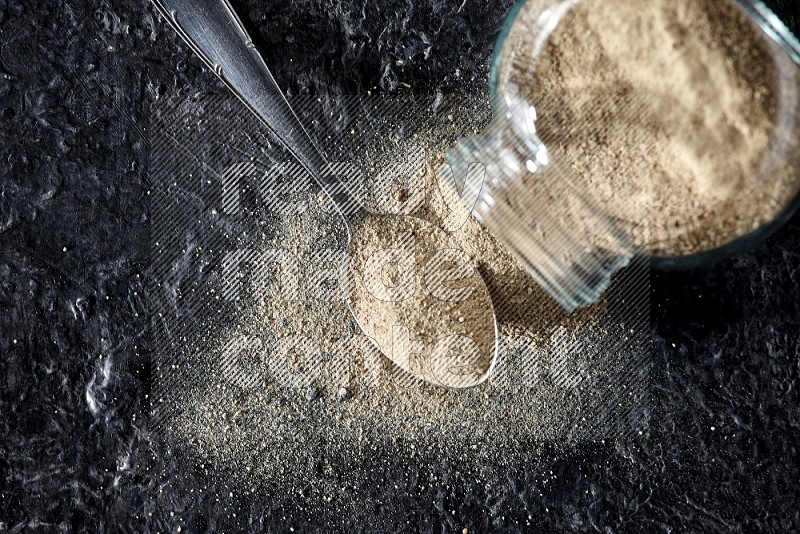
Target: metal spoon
[[448, 341]]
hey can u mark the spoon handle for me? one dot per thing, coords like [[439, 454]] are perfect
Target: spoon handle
[[214, 32]]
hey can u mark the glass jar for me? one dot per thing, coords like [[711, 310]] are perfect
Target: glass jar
[[536, 204]]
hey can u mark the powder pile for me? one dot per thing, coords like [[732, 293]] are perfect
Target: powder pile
[[664, 109], [306, 430]]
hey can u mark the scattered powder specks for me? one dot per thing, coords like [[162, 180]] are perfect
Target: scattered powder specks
[[293, 397]]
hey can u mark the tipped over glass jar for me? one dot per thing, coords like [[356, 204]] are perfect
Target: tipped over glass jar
[[662, 128]]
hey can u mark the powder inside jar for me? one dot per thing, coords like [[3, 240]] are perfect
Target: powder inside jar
[[664, 109]]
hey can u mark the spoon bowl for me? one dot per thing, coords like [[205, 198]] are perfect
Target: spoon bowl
[[421, 300]]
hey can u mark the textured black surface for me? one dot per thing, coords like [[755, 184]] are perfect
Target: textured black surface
[[76, 79]]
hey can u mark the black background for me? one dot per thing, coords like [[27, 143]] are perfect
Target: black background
[[76, 81]]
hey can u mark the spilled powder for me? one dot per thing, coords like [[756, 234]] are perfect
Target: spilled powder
[[297, 425], [664, 108]]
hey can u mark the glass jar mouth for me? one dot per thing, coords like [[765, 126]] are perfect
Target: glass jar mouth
[[785, 48]]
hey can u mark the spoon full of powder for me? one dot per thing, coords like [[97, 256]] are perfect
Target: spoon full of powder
[[423, 304], [417, 295]]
